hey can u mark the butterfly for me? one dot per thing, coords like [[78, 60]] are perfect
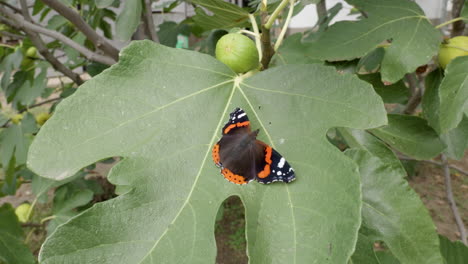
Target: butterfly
[[243, 158]]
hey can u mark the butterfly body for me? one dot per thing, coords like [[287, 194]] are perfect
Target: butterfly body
[[243, 158]]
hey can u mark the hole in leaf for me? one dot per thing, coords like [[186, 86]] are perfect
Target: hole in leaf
[[230, 232]]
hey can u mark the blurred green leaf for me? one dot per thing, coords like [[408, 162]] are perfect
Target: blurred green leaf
[[370, 63], [464, 11], [392, 211], [364, 252], [176, 189], [56, 22], [95, 68], [454, 252], [9, 222], [104, 3], [208, 45], [12, 248], [453, 94], [128, 19], [396, 93], [13, 142], [8, 64], [401, 21], [410, 135], [457, 140], [225, 15], [386, 257], [169, 30], [291, 52], [430, 101]]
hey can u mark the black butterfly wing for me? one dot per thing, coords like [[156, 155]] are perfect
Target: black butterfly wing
[[239, 156], [275, 167]]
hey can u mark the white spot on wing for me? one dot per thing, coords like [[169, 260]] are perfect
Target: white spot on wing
[[241, 115], [281, 162], [279, 173]]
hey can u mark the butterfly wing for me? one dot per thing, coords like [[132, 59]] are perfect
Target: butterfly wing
[[275, 167]]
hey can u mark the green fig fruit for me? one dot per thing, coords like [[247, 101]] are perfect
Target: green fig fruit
[[238, 52], [455, 47]]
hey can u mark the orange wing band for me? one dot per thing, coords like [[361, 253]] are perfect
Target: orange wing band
[[266, 171], [242, 124], [215, 154], [230, 176]]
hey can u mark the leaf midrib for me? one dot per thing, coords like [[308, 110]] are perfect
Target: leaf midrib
[[187, 201], [287, 187]]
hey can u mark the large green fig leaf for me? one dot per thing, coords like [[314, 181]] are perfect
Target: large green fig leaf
[[162, 110], [457, 140], [225, 15], [411, 135], [413, 39], [392, 211], [454, 252], [453, 94]]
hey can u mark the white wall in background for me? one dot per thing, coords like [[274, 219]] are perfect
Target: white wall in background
[[308, 16]]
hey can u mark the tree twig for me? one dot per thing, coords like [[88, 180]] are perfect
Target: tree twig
[[75, 18], [42, 103], [451, 200], [416, 94], [458, 26], [453, 167], [44, 51], [148, 21], [17, 10], [19, 21], [11, 35], [321, 11]]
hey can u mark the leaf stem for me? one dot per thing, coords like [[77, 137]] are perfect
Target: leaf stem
[[456, 47], [47, 218], [28, 215], [257, 36], [248, 32], [285, 26], [275, 14], [449, 22]]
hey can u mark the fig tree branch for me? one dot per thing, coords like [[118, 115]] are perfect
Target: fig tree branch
[[148, 21], [11, 35], [453, 167], [75, 18], [44, 51], [19, 21], [321, 10], [458, 26], [17, 10], [416, 94], [451, 200]]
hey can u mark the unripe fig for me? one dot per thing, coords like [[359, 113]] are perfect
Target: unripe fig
[[42, 118], [22, 212], [238, 52], [455, 47], [31, 52], [16, 118]]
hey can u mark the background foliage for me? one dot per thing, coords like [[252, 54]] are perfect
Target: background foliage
[[344, 103]]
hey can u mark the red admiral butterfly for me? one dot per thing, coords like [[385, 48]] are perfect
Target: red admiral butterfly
[[243, 158]]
